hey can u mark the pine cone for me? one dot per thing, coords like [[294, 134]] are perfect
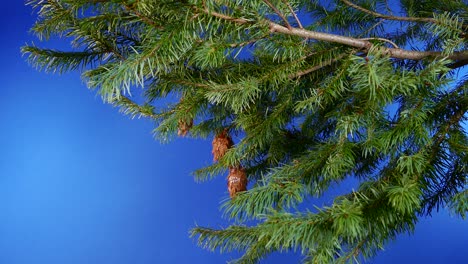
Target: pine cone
[[221, 144], [184, 127], [237, 180]]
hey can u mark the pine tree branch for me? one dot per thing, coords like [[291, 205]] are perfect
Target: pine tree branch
[[207, 11], [455, 118], [128, 106], [293, 13], [384, 40], [397, 18], [365, 45], [345, 95], [318, 67], [387, 6], [445, 185], [248, 42], [189, 83], [458, 64], [132, 10], [145, 19], [278, 13], [356, 250]]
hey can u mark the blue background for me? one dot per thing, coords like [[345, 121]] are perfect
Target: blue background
[[81, 183]]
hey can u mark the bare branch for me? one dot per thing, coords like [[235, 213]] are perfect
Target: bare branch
[[387, 6], [379, 15], [458, 64], [372, 27], [383, 39], [348, 41], [248, 42], [278, 13], [293, 13], [365, 45], [317, 67]]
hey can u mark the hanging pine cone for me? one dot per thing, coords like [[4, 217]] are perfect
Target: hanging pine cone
[[184, 127], [221, 143], [237, 180]]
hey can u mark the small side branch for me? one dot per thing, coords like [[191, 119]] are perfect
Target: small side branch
[[207, 11], [379, 15], [318, 67], [384, 40], [129, 107], [458, 64], [387, 6], [278, 13], [241, 44], [293, 13], [142, 17]]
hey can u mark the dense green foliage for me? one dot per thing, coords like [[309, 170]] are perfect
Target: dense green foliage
[[314, 93]]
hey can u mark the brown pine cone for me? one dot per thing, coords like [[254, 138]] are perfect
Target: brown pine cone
[[184, 127], [237, 180], [221, 144]]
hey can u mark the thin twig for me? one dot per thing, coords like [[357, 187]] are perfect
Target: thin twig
[[383, 39], [278, 13], [222, 16], [189, 83], [130, 107], [293, 13], [143, 18], [372, 27], [379, 15], [318, 67], [236, 45], [387, 6]]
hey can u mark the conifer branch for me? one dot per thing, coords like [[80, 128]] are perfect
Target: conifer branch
[[387, 6], [128, 106], [458, 64], [383, 39], [397, 18], [318, 67], [364, 45], [145, 19], [455, 118], [278, 13], [206, 10], [248, 42], [449, 182], [356, 250], [296, 135], [293, 13]]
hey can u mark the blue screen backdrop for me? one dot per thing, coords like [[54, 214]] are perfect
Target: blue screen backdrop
[[81, 183]]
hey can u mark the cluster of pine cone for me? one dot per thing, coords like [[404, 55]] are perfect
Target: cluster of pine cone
[[237, 178], [222, 142]]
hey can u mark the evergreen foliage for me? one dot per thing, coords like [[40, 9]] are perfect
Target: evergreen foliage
[[313, 92]]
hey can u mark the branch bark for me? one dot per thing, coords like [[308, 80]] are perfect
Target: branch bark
[[318, 67], [293, 13], [278, 13], [364, 45]]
